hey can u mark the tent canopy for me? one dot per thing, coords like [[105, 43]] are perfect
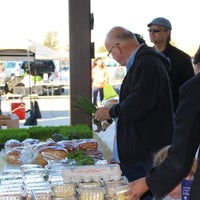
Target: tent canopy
[[43, 52], [34, 51], [16, 55]]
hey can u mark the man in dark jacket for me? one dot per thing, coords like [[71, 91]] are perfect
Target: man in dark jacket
[[181, 65], [144, 112], [163, 178]]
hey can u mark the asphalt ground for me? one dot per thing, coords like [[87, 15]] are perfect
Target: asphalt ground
[[55, 111]]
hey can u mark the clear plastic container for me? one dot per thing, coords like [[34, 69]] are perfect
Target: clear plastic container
[[27, 167], [91, 172], [119, 192], [97, 193], [111, 187], [39, 194], [11, 192], [63, 190]]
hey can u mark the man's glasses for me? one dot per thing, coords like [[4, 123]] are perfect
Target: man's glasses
[[117, 44], [156, 30]]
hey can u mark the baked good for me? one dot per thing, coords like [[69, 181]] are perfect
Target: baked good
[[49, 151], [11, 144], [88, 144], [69, 145], [30, 141], [13, 155], [96, 154]]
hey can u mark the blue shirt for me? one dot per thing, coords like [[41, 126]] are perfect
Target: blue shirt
[[131, 59]]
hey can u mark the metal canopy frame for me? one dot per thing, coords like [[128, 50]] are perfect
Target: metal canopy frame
[[16, 55]]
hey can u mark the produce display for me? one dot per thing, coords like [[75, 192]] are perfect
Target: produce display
[[83, 151], [91, 173], [85, 105], [50, 183], [59, 170]]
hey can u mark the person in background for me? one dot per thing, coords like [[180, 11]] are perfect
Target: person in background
[[196, 61], [99, 79], [145, 95], [186, 139], [2, 74], [159, 157], [181, 66], [140, 38]]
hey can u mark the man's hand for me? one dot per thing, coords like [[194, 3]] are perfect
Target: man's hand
[[102, 114], [137, 189]]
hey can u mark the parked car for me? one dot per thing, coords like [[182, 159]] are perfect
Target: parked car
[[12, 68], [116, 72], [63, 74], [39, 67]]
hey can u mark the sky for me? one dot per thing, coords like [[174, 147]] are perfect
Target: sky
[[21, 20]]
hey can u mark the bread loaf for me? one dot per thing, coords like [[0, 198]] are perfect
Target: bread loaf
[[13, 156], [88, 144], [53, 150]]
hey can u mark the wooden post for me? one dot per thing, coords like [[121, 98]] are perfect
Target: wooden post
[[80, 57]]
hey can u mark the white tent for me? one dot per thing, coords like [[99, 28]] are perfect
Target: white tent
[[34, 50], [16, 55], [43, 52]]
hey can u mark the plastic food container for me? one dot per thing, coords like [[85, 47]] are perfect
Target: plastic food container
[[91, 193], [11, 192], [111, 187], [119, 192], [63, 190], [91, 173]]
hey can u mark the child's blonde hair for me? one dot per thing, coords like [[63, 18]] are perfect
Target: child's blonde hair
[[160, 156]]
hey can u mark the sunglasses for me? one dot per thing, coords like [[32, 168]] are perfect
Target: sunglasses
[[156, 30]]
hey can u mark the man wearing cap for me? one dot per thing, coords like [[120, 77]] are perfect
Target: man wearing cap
[[181, 65]]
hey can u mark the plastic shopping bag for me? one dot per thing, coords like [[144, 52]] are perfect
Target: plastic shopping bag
[[109, 92]]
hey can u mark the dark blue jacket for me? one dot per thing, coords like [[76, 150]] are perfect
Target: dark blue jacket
[[145, 111], [181, 70], [185, 144]]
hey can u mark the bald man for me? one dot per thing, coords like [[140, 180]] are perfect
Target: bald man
[[144, 113]]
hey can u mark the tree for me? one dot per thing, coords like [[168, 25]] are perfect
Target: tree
[[51, 40], [101, 49]]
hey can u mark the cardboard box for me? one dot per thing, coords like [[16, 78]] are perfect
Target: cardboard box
[[9, 121]]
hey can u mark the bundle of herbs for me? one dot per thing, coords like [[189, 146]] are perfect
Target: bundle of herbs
[[85, 105]]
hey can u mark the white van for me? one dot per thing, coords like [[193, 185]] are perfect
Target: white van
[[12, 68]]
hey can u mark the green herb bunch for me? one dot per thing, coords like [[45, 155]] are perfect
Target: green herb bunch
[[85, 105]]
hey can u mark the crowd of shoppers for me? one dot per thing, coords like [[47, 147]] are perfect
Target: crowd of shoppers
[[144, 112], [186, 140], [159, 85]]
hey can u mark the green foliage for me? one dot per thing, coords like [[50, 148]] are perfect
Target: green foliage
[[84, 104], [13, 133], [76, 132], [51, 40], [43, 133], [81, 158], [36, 78], [101, 49]]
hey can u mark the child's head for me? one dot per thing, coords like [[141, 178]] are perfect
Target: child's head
[[160, 156]]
